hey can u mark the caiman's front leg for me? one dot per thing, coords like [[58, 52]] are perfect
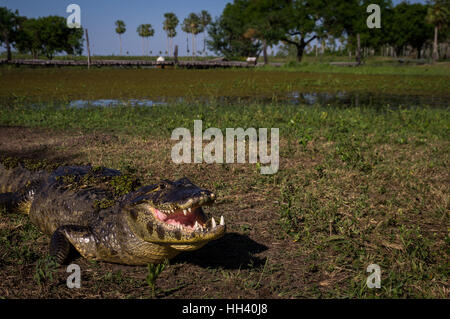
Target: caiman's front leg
[[81, 238]]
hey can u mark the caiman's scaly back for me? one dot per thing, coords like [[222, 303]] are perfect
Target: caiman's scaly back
[[85, 208]]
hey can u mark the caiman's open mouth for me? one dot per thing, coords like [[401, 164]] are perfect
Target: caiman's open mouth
[[171, 213], [191, 219]]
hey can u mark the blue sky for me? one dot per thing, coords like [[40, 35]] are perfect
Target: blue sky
[[99, 17]]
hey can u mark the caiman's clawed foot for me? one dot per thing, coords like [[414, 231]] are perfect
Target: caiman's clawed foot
[[67, 237], [59, 247]]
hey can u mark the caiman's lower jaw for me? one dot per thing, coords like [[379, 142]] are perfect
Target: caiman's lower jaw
[[190, 221]]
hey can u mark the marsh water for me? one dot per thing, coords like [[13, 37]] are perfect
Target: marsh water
[[339, 99], [113, 87]]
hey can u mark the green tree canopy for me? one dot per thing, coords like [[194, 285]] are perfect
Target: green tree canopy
[[120, 29], [9, 23], [49, 36], [409, 27], [145, 31], [246, 25], [230, 35], [205, 20], [170, 25], [192, 24], [28, 39], [349, 18]]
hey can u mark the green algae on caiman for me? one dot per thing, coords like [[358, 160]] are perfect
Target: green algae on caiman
[[82, 207]]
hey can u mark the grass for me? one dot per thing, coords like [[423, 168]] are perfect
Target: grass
[[370, 68], [356, 186], [154, 270], [301, 123]]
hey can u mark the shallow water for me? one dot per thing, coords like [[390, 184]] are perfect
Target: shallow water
[[339, 99], [114, 102]]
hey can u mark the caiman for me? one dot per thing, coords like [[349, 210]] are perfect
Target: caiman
[[146, 225]]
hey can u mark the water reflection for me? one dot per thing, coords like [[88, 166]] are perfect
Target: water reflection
[[114, 102], [341, 99]]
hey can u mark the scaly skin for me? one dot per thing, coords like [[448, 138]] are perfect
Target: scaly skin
[[148, 225]]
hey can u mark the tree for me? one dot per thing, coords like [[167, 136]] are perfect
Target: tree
[[120, 29], [186, 27], [54, 36], [141, 32], [169, 25], [193, 26], [349, 18], [205, 20], [438, 15], [8, 28], [145, 31], [300, 23], [259, 23], [409, 27], [264, 25], [28, 39], [229, 34], [48, 35]]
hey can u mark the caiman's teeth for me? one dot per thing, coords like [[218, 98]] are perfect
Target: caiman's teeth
[[197, 226], [172, 211], [184, 212], [213, 222], [222, 221], [189, 209]]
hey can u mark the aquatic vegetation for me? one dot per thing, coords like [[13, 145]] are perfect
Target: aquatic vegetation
[[69, 84]]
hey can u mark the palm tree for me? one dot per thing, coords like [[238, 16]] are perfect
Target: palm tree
[[205, 20], [120, 29], [169, 25], [186, 27], [145, 31], [141, 31], [438, 15], [192, 24]]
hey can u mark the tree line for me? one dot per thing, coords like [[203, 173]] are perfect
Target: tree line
[[45, 35], [50, 35], [193, 24], [248, 27]]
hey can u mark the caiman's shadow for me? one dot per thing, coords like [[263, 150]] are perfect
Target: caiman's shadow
[[232, 251]]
